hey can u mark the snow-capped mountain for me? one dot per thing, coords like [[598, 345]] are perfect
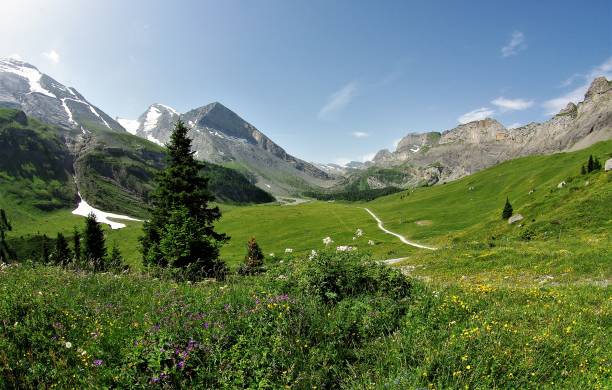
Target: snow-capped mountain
[[24, 87], [221, 136]]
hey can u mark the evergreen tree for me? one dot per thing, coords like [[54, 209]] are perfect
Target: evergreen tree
[[44, 249], [507, 213], [254, 257], [180, 232], [115, 260], [590, 164], [61, 254], [5, 226], [94, 249], [76, 245], [596, 164], [583, 170]]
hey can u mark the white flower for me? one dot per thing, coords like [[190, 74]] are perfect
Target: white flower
[[68, 344], [359, 233], [271, 254], [354, 238], [313, 254], [345, 248], [289, 250], [327, 240], [370, 242]]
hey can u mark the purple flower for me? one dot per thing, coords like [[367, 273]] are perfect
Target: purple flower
[[154, 380], [206, 325], [98, 362], [181, 364]]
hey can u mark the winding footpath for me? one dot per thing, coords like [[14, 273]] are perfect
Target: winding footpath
[[402, 238]]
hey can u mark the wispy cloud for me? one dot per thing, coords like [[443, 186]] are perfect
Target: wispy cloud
[[512, 104], [576, 95], [52, 56], [515, 45], [339, 99], [359, 134], [476, 115]]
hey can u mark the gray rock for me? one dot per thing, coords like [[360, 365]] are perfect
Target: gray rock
[[515, 218], [608, 166], [562, 184]]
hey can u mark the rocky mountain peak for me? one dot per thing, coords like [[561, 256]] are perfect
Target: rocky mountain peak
[[599, 86], [485, 130]]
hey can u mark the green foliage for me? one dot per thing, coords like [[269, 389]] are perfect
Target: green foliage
[[61, 255], [94, 246], [253, 261], [5, 226], [115, 261], [354, 195], [180, 233], [507, 211], [333, 277]]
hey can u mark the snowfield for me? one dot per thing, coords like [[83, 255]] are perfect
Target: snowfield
[[84, 209]]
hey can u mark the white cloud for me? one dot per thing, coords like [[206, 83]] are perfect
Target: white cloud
[[514, 125], [516, 44], [359, 134], [512, 104], [339, 99], [52, 56], [342, 161], [15, 56], [476, 115], [576, 95]]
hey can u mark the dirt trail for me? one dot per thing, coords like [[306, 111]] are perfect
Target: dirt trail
[[402, 238]]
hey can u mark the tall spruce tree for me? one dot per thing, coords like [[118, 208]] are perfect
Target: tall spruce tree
[[5, 226], [180, 232], [76, 245], [507, 212], [94, 247], [61, 254]]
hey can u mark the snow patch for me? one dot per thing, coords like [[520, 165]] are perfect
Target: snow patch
[[131, 125], [68, 112], [84, 209], [268, 185], [172, 110], [151, 118], [415, 148], [31, 74], [154, 140], [216, 133]]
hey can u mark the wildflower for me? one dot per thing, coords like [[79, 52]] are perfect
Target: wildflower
[[370, 242], [354, 238], [289, 250], [359, 233], [271, 254], [327, 240], [181, 364], [68, 344], [98, 362], [313, 254], [345, 248]]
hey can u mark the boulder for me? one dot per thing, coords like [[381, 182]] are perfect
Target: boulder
[[515, 218], [562, 184], [608, 166]]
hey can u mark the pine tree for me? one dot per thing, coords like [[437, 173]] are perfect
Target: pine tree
[[180, 232], [583, 170], [94, 249], [76, 245], [596, 164], [5, 226], [115, 260], [507, 213], [590, 164], [61, 254], [44, 249], [254, 257]]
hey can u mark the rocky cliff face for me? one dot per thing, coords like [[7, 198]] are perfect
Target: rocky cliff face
[[470, 147], [221, 136], [24, 87]]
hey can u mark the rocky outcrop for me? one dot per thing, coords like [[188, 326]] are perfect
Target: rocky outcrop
[[477, 145]]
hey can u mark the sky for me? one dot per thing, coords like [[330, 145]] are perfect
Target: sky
[[329, 81]]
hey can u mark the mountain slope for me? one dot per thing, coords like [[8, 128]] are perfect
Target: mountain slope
[[441, 157], [219, 135]]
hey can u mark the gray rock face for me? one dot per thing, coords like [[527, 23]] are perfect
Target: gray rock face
[[608, 165], [219, 135], [477, 145], [515, 218], [24, 87]]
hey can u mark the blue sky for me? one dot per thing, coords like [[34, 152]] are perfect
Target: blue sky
[[330, 81]]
